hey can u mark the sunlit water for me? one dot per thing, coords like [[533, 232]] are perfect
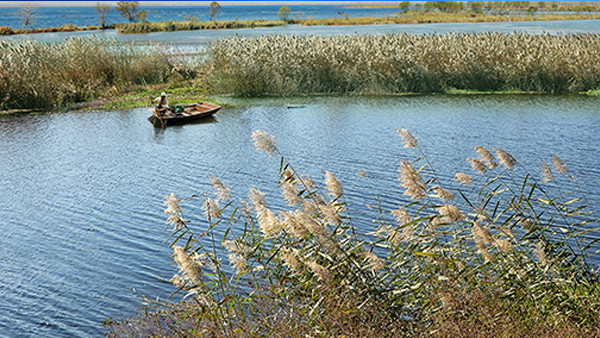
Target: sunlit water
[[203, 37], [82, 220]]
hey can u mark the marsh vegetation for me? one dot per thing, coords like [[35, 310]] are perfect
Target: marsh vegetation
[[498, 251], [406, 63], [39, 75]]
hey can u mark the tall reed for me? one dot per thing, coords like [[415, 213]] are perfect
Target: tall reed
[[41, 75], [496, 252], [279, 65]]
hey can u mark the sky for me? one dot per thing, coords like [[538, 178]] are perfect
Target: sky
[[177, 3]]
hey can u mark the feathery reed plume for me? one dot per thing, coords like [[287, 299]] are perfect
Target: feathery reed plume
[[290, 193], [320, 271], [505, 158], [540, 253], [174, 211], [373, 262], [504, 245], [287, 175], [463, 178], [394, 236], [477, 166], [486, 157], [481, 234], [291, 259], [257, 197], [409, 140], [402, 216], [411, 180], [238, 263], [293, 225], [237, 252], [333, 185], [222, 191], [191, 269], [558, 165], [450, 213], [246, 212], [546, 173], [211, 208], [264, 142], [172, 204], [268, 222], [331, 213], [444, 194], [312, 225]]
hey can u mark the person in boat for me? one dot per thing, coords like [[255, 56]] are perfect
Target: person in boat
[[162, 104]]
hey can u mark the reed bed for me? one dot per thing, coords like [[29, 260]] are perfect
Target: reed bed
[[40, 75], [279, 65], [498, 251], [418, 17], [169, 26]]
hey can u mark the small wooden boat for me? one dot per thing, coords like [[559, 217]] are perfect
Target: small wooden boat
[[183, 114]]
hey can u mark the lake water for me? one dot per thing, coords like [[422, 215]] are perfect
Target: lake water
[[82, 217], [85, 16], [203, 37], [81, 192]]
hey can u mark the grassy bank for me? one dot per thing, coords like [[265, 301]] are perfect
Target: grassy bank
[[416, 17], [496, 252], [64, 28], [406, 63], [41, 75], [169, 26], [411, 17]]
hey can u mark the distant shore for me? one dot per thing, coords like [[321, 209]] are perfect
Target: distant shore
[[411, 17]]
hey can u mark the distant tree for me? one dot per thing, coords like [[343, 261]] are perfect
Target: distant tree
[[532, 10], [541, 5], [130, 11], [284, 13], [477, 7], [214, 9], [403, 6], [103, 11], [589, 9], [428, 6], [27, 14]]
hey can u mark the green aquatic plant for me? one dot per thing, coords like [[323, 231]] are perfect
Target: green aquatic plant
[[495, 253]]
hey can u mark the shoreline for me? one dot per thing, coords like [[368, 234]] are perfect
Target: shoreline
[[405, 18]]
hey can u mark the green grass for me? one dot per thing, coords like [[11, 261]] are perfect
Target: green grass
[[64, 28], [169, 26]]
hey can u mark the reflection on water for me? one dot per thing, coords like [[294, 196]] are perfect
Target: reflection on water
[[81, 193]]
